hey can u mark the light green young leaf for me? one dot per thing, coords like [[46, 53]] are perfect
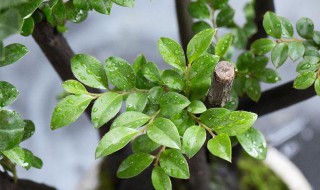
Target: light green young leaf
[[10, 23], [304, 80], [224, 44], [220, 146], [199, 26], [89, 71], [279, 54], [74, 87], [317, 86], [105, 108], [131, 119], [253, 143], [8, 93], [193, 139], [27, 27], [196, 107], [174, 164], [262, 46], [172, 103], [316, 37], [253, 89], [136, 102], [13, 53], [29, 129], [144, 144], [272, 25], [69, 109], [102, 6], [22, 157], [120, 73], [115, 140], [160, 180], [286, 27], [172, 53], [151, 72], [164, 132], [124, 3], [296, 50], [199, 44], [134, 165], [26, 9], [305, 28], [199, 10], [173, 80], [225, 17]]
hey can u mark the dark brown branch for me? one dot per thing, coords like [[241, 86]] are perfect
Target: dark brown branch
[[184, 22], [6, 183]]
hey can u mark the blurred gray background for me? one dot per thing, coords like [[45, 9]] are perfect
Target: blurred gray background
[[68, 153]]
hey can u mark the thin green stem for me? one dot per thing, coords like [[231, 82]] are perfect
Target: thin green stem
[[210, 131], [286, 40], [158, 155], [188, 79], [143, 129]]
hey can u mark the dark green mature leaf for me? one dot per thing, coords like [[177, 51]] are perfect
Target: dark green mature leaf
[[9, 3], [286, 27], [296, 50], [272, 25], [311, 53], [134, 165], [240, 38], [89, 71], [220, 146], [279, 54], [74, 87], [114, 140], [11, 129], [144, 144], [75, 14], [308, 64], [304, 80], [59, 14], [249, 11], [317, 86], [155, 94], [174, 164], [193, 139], [102, 6], [26, 9], [199, 10], [27, 27], [160, 180], [244, 61], [232, 123], [105, 108], [305, 28], [10, 23], [172, 53], [164, 132], [253, 143], [136, 102], [199, 26], [29, 129], [131, 119], [183, 121], [225, 17], [13, 53], [172, 103], [199, 44], [196, 107], [120, 73], [316, 37], [200, 76], [253, 89], [141, 81], [151, 72], [81, 4], [310, 45], [23, 157], [8, 93], [124, 3], [262, 46], [69, 109], [224, 44], [268, 75], [219, 4], [173, 80]]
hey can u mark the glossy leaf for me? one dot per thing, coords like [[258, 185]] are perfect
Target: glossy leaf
[[308, 64], [183, 121], [268, 75], [105, 108], [89, 71], [120, 73], [199, 44], [316, 37], [286, 27], [124, 3], [27, 27], [272, 25], [13, 53], [279, 54], [8, 93], [115, 140], [199, 26], [262, 46], [136, 102], [174, 164], [74, 87], [225, 17], [199, 10], [193, 139], [10, 23], [102, 6], [253, 89], [173, 80], [134, 165], [21, 157], [304, 80], [295, 50], [155, 94], [317, 86], [224, 44], [196, 107], [253, 143], [220, 146], [172, 53], [305, 28], [69, 109], [26, 9], [131, 119], [171, 103], [151, 72], [160, 180], [75, 14], [144, 144], [29, 129], [164, 132], [141, 81]]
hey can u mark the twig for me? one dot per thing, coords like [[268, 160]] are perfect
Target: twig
[[184, 22]]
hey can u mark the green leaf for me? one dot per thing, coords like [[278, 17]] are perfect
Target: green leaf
[[29, 129], [200, 76], [249, 11], [225, 17], [160, 180], [253, 143], [74, 87], [10, 23], [11, 129], [144, 144], [279, 54], [199, 44], [173, 80], [75, 14], [172, 53], [199, 26], [115, 140], [131, 119], [196, 107], [141, 81], [69, 109], [13, 53], [199, 10], [81, 4], [316, 37], [317, 86], [134, 165], [136, 102], [89, 71], [286, 27], [8, 93], [26, 9], [22, 157], [262, 46], [305, 28], [272, 25], [120, 73], [37, 162], [309, 64], [183, 121], [219, 4], [240, 38], [253, 89], [220, 146], [171, 103], [124, 3], [27, 27], [304, 80], [164, 132], [174, 164], [105, 108], [9, 3], [296, 50], [224, 44], [155, 94], [102, 6], [232, 123], [193, 139], [268, 75], [151, 72]]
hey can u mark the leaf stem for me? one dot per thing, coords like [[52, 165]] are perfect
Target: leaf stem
[[285, 40], [210, 131], [188, 83], [158, 155], [143, 129]]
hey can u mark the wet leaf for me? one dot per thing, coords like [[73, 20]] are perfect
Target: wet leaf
[[160, 180], [151, 72], [279, 54], [305, 28], [131, 119], [174, 164], [13, 53], [295, 50], [220, 146], [253, 89], [134, 165], [144, 144], [199, 26], [196, 107], [193, 139], [199, 10], [172, 103], [8, 93], [173, 80], [224, 44], [124, 3], [262, 46], [286, 27], [304, 80], [102, 6], [272, 25], [74, 87], [29, 129]]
